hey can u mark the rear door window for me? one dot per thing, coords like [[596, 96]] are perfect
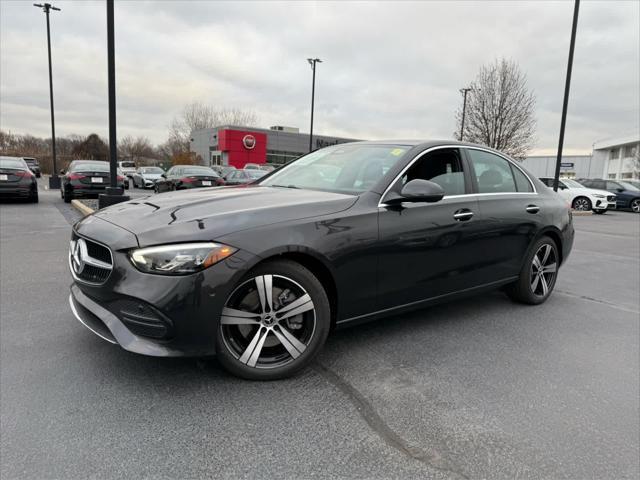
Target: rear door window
[[493, 173]]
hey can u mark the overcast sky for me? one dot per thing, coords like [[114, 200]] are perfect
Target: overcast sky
[[391, 69]]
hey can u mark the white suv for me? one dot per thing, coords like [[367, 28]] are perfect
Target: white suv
[[582, 198]]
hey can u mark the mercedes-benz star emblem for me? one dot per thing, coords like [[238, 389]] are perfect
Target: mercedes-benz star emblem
[[76, 256]]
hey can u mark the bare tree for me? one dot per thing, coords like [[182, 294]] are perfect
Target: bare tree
[[500, 110], [135, 148], [197, 116]]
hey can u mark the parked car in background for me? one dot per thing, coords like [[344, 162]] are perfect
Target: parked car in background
[[17, 181], [223, 170], [146, 177], [241, 177], [259, 276], [33, 165], [127, 167], [634, 182], [181, 177], [125, 181], [582, 198], [86, 178], [253, 166], [267, 168], [627, 195]]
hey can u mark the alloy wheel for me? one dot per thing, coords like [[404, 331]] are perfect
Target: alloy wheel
[[543, 270], [581, 204], [635, 205], [268, 321]]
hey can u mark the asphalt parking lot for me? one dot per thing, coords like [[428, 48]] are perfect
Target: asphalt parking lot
[[483, 388]]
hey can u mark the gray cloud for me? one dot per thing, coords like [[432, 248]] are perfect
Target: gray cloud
[[390, 69]]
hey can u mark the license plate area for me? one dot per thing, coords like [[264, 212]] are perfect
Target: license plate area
[[4, 177], [97, 179], [206, 183]]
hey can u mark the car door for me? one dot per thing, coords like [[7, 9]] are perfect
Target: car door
[[510, 214], [425, 248]]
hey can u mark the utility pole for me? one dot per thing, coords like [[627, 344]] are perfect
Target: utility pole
[[114, 194], [54, 180], [567, 86], [312, 62], [464, 92]]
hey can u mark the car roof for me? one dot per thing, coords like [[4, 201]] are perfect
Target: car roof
[[423, 144]]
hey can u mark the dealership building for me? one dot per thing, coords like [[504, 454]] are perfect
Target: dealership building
[[237, 146], [612, 158]]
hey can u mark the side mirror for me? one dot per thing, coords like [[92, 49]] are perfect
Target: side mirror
[[620, 189], [562, 187], [62, 172], [164, 175], [417, 190]]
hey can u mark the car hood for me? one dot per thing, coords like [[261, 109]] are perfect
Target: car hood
[[592, 191], [210, 213]]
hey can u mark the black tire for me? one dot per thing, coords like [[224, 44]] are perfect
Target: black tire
[[600, 212], [581, 204], [34, 197], [278, 361], [67, 197], [634, 205], [526, 289]]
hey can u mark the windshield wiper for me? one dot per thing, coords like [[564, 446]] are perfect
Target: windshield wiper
[[284, 186]]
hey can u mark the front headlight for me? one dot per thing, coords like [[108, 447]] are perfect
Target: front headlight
[[597, 195], [179, 259]]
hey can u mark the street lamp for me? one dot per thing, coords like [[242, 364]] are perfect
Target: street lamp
[[567, 85], [54, 180], [464, 92], [312, 62]]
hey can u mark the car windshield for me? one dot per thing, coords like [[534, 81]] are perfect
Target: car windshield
[[199, 171], [256, 173], [90, 167], [628, 186], [13, 163], [31, 161], [571, 183], [348, 168], [152, 170]]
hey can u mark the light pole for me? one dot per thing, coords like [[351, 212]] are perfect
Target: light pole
[[312, 62], [54, 180], [567, 85], [114, 194], [464, 92]]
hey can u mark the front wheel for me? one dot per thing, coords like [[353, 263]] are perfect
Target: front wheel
[[581, 204], [538, 274], [274, 322], [635, 205]]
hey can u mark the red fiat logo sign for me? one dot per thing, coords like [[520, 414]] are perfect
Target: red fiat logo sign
[[249, 141]]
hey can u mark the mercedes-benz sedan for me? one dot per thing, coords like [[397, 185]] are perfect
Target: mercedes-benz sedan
[[259, 275]]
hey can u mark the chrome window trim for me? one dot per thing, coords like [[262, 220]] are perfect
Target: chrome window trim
[[466, 195]]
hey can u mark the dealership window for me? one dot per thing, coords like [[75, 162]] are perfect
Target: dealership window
[[630, 151], [279, 157]]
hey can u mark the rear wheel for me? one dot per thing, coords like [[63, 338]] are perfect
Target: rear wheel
[[581, 204], [538, 275], [274, 322], [67, 196], [33, 198], [635, 205]]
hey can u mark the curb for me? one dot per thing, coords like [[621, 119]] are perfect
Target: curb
[[575, 213], [81, 207]]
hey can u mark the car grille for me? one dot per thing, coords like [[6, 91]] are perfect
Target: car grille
[[141, 319], [89, 261], [611, 198]]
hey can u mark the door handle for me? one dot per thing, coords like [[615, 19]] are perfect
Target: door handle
[[463, 215], [532, 208]]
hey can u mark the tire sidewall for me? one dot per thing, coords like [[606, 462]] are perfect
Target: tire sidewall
[[589, 204], [526, 272], [321, 304]]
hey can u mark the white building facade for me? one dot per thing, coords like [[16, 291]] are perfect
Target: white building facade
[[620, 156]]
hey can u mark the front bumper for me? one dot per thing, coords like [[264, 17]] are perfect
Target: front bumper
[[162, 315]]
